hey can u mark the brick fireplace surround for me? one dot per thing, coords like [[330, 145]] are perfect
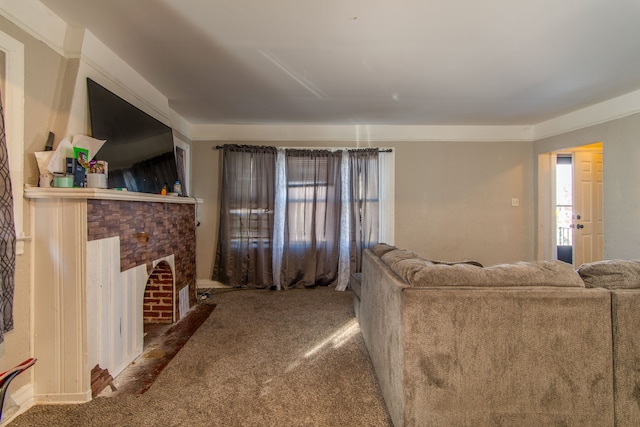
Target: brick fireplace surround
[[149, 231]]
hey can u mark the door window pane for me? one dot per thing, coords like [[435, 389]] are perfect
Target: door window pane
[[564, 201]]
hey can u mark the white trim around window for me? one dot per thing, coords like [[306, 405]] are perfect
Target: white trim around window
[[14, 125], [386, 175]]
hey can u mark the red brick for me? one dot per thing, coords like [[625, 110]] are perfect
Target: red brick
[[162, 294]]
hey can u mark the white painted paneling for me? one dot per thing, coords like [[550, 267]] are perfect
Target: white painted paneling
[[110, 257], [137, 281], [116, 326], [184, 302], [59, 250], [93, 304], [114, 306], [127, 327]]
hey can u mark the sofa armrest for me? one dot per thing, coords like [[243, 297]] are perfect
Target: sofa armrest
[[511, 356], [381, 326]]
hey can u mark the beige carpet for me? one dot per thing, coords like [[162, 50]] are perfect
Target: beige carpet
[[262, 358]]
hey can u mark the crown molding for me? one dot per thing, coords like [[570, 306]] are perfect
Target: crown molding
[[357, 133], [611, 109], [117, 76], [37, 20]]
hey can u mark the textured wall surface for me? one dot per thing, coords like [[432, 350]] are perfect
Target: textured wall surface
[[149, 231]]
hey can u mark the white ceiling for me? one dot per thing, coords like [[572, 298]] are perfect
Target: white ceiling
[[407, 62]]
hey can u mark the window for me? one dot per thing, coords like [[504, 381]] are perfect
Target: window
[[251, 207], [310, 187], [300, 215]]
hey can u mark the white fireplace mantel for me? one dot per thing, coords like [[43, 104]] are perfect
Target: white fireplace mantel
[[102, 194]]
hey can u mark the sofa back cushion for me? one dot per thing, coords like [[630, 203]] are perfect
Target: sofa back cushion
[[381, 249], [420, 272], [535, 273], [611, 274]]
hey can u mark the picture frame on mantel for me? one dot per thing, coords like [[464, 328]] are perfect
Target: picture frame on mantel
[[180, 165], [183, 164]]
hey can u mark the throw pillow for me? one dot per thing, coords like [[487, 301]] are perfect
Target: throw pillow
[[611, 274]]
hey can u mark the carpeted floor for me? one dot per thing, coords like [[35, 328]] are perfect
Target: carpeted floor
[[262, 358]]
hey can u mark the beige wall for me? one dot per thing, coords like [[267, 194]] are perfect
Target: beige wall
[[621, 158], [452, 199], [205, 178], [43, 71]]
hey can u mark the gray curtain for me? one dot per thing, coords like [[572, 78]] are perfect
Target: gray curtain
[[364, 199], [7, 237], [312, 220], [245, 239]]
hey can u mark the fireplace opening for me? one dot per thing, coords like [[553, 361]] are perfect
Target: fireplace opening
[[159, 296], [163, 304]]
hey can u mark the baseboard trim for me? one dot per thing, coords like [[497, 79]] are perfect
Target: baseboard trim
[[63, 398], [205, 283], [23, 398]]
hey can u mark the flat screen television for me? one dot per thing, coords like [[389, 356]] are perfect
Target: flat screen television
[[139, 149]]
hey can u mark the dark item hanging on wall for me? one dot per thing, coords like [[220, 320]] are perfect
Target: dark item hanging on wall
[[49, 145]]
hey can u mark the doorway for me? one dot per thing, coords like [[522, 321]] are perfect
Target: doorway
[[570, 205], [564, 208]]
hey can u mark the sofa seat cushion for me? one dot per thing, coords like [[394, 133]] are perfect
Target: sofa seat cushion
[[611, 274], [534, 273]]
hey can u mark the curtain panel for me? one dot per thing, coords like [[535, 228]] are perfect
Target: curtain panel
[[7, 237], [312, 219], [245, 240], [364, 204]]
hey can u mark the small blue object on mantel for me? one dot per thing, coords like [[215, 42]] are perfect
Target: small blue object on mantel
[[74, 168]]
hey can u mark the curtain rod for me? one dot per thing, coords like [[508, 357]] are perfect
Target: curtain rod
[[381, 150]]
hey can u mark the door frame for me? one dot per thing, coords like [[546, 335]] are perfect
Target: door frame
[[547, 241]]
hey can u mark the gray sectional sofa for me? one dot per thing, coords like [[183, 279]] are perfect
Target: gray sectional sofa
[[526, 344], [622, 279]]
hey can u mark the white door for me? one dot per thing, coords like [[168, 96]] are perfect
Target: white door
[[588, 238]]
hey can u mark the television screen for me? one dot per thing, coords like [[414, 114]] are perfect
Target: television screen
[[139, 149]]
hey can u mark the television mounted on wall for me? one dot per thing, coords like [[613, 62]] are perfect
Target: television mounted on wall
[[139, 149]]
